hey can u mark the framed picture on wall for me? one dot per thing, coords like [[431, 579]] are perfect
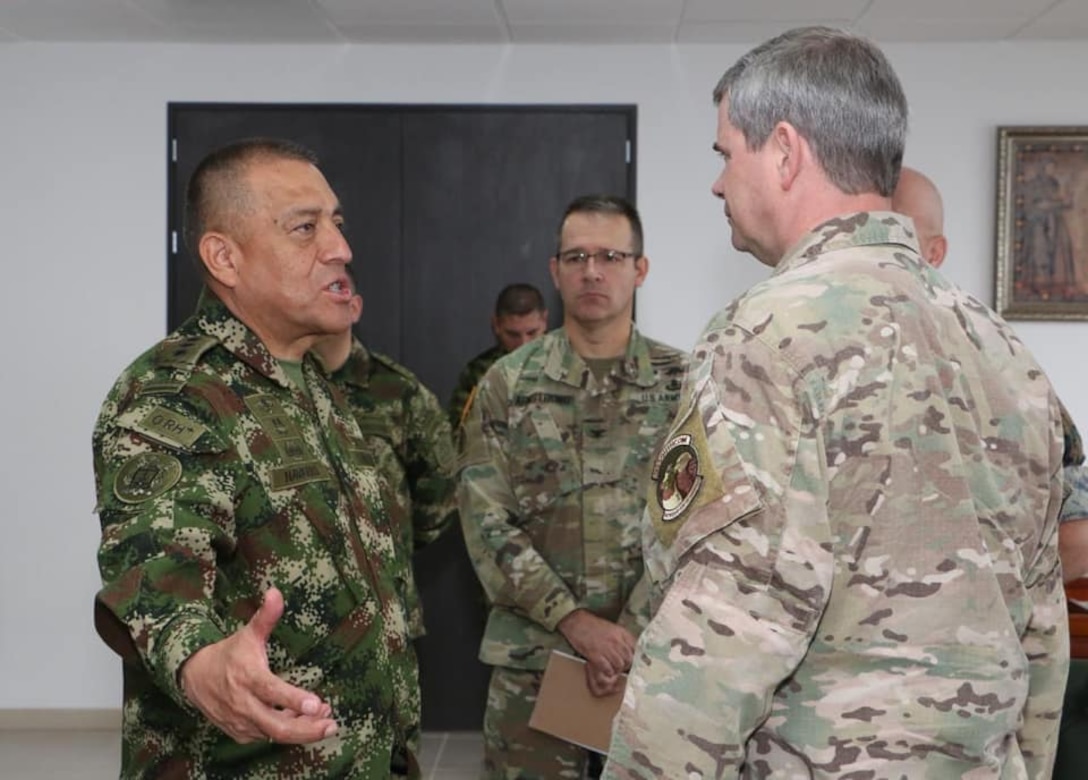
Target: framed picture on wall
[[1042, 223]]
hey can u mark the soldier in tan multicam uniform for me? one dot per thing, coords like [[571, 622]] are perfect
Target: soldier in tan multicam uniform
[[917, 197], [248, 559], [555, 459], [407, 441], [862, 578]]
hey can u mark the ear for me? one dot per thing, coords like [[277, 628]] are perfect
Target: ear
[[787, 147], [220, 256], [494, 324], [553, 268], [642, 267], [935, 252]]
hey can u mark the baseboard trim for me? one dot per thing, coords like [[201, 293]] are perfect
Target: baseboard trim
[[60, 720]]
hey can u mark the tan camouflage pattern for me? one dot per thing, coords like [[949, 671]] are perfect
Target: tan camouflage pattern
[[552, 486], [407, 440], [232, 482], [865, 583]]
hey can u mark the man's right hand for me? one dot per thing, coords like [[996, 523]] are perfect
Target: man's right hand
[[231, 683], [607, 647]]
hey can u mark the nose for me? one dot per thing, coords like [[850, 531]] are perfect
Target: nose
[[716, 188], [334, 246], [592, 269]]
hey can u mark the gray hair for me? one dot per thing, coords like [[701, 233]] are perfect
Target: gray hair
[[837, 89]]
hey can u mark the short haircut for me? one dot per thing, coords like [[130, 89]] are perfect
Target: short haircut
[[518, 300], [217, 192], [837, 89], [604, 204]]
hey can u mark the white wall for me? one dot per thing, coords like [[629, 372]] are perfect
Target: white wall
[[83, 214]]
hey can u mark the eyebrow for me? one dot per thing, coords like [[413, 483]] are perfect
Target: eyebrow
[[313, 211], [714, 146]]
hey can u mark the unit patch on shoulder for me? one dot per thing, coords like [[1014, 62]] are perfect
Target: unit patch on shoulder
[[676, 476], [684, 477], [146, 476]]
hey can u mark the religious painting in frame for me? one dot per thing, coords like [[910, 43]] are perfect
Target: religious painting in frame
[[1042, 223]]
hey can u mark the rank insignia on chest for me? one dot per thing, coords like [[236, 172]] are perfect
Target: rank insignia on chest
[[676, 477]]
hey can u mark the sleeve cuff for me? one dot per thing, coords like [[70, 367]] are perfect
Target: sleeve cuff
[[179, 639], [550, 613]]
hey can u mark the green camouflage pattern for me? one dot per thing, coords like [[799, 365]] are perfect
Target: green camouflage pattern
[[408, 442], [469, 378], [860, 571], [511, 697], [1075, 505], [552, 486], [1073, 452], [215, 481]]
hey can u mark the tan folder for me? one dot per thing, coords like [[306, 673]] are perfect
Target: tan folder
[[566, 709]]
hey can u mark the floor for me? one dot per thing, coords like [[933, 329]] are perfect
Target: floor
[[95, 755]]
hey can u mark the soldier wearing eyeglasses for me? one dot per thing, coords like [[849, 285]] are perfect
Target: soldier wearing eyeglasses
[[553, 479]]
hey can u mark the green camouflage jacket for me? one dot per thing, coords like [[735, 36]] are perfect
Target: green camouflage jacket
[[855, 517], [216, 480], [467, 381], [408, 442], [552, 486]]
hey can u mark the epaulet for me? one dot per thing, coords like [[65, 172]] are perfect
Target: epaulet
[[179, 354], [388, 362]]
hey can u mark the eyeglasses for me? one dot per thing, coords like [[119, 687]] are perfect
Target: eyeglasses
[[606, 258]]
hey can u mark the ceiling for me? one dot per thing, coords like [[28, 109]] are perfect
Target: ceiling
[[530, 21]]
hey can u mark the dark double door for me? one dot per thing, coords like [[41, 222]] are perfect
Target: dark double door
[[445, 205]]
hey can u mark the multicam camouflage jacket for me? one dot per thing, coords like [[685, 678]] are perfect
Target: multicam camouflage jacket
[[855, 518], [469, 378], [552, 486], [408, 442], [216, 480]]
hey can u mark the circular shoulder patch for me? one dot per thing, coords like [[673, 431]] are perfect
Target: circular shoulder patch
[[146, 476], [678, 478]]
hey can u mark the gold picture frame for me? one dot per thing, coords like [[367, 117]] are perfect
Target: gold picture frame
[[1042, 223]]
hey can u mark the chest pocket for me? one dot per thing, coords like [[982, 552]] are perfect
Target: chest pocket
[[380, 442], [544, 464]]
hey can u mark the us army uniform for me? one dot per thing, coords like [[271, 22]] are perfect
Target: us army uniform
[[855, 518], [469, 378], [216, 480], [408, 442], [552, 487]]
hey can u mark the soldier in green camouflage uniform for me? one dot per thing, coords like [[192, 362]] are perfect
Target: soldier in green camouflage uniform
[[854, 518], [248, 561], [520, 316], [408, 442], [556, 450], [467, 382]]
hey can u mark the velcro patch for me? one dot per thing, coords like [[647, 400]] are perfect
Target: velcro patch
[[169, 427], [683, 477], [146, 476]]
